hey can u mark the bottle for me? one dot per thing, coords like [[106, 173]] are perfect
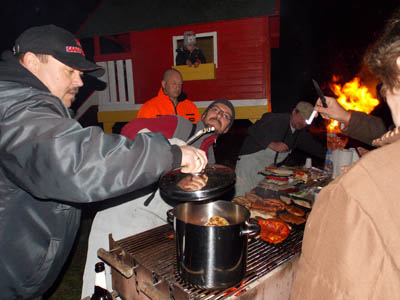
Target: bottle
[[100, 285]]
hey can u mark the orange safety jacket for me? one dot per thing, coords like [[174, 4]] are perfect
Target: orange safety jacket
[[161, 105]]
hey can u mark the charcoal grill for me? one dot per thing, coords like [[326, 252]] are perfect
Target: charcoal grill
[[144, 266]]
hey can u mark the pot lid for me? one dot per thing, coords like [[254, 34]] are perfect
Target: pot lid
[[214, 181]]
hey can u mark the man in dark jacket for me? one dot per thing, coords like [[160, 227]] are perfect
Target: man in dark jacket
[[49, 163], [270, 140]]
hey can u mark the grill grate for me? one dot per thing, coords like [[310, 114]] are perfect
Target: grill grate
[[155, 250]]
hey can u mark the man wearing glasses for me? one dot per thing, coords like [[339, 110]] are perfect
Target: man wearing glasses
[[220, 114], [135, 216]]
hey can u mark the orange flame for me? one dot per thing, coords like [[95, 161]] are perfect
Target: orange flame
[[352, 96]]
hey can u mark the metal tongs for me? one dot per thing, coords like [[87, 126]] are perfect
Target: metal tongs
[[323, 100], [198, 134]]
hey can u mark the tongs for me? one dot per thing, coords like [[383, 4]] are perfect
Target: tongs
[[198, 134], [190, 141]]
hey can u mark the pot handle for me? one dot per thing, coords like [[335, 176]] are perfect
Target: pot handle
[[115, 262], [252, 227], [171, 215]]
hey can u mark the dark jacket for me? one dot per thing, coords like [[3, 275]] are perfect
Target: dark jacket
[[364, 128], [49, 165], [275, 127], [184, 54]]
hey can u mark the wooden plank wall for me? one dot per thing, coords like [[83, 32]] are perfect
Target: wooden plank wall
[[243, 60]]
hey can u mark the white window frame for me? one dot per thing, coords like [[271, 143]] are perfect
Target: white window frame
[[198, 35]]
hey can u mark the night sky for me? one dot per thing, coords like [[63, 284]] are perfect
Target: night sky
[[318, 38]]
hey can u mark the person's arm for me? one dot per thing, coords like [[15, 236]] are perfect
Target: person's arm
[[180, 57], [164, 124], [147, 111], [364, 128], [333, 111], [53, 157], [357, 125], [270, 128]]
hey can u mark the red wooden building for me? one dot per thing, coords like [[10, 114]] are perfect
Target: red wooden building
[[238, 68]]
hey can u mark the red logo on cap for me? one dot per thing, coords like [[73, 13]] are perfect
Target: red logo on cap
[[75, 49]]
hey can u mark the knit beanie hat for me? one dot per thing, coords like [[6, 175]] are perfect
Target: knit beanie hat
[[189, 38], [225, 102], [305, 109]]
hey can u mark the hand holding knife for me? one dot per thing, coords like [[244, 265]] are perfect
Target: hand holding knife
[[320, 94], [323, 100]]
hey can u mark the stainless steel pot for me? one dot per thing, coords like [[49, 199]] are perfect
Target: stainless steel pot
[[212, 257]]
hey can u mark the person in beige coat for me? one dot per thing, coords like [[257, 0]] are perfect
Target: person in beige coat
[[352, 237]]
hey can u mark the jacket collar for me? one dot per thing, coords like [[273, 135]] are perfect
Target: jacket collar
[[12, 70], [388, 138]]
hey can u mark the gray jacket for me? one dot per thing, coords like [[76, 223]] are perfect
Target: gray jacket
[[49, 165]]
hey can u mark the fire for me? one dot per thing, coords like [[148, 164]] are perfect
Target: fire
[[352, 96], [355, 96], [234, 289]]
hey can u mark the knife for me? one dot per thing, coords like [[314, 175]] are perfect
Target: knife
[[323, 100], [320, 94]]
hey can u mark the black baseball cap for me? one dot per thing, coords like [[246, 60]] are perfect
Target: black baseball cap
[[59, 43]]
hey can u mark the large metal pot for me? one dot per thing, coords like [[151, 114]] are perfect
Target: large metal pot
[[212, 257]]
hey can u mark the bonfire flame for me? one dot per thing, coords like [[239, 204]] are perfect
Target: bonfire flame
[[352, 96]]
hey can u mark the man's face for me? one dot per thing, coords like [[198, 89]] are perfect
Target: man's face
[[62, 80], [297, 121], [172, 85], [219, 116]]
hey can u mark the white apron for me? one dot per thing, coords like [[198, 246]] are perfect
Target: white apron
[[248, 166]]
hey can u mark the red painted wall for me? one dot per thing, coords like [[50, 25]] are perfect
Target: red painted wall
[[243, 60]]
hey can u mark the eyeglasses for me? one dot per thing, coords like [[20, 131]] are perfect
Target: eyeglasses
[[224, 114]]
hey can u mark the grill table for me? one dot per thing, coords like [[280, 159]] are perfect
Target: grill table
[[151, 255]]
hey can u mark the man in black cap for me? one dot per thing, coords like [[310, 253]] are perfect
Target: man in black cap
[[270, 140], [50, 164], [133, 217]]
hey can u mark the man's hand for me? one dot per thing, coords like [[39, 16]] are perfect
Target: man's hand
[[196, 63], [278, 146], [333, 111], [188, 62], [193, 160]]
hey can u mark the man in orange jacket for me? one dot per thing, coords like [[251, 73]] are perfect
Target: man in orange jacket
[[167, 101]]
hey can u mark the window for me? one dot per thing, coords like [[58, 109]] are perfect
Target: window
[[206, 41]]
